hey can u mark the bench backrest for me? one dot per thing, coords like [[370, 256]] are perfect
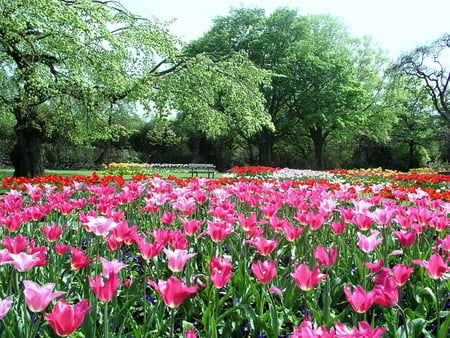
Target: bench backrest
[[201, 165]]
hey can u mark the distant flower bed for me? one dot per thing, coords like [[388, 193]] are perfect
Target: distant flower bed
[[148, 169]]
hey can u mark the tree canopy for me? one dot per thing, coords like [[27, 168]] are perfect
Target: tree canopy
[[315, 71], [69, 65]]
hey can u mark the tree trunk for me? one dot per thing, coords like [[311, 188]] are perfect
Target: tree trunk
[[27, 154], [265, 148], [318, 139]]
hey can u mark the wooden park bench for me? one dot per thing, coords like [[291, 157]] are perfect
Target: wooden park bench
[[202, 168]]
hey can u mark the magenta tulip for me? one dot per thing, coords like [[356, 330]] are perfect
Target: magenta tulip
[[66, 318], [173, 291], [307, 279], [265, 271]]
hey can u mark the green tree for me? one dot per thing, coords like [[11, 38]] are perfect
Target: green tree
[[67, 66], [317, 82]]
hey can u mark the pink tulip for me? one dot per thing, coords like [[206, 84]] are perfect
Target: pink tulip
[[190, 227], [307, 279], [220, 270], [360, 300], [363, 330], [61, 249], [5, 305], [337, 227], [177, 240], [401, 273], [435, 267], [38, 297], [172, 291], [291, 233], [149, 250], [362, 221], [406, 238], [112, 243], [249, 223], [177, 259], [386, 294], [160, 235], [24, 262], [190, 333], [99, 225], [324, 258], [264, 246], [113, 266], [369, 243], [314, 220], [13, 222], [167, 217], [66, 318], [104, 291], [265, 271], [217, 231], [5, 256], [306, 329], [52, 233], [15, 245], [123, 233], [78, 259]]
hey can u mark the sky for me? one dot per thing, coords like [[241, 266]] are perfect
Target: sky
[[396, 26]]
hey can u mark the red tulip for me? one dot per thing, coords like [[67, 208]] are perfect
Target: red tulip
[[173, 291], [66, 318]]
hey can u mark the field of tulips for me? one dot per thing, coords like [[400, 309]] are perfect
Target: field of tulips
[[264, 252]]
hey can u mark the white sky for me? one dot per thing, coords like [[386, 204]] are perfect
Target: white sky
[[397, 26]]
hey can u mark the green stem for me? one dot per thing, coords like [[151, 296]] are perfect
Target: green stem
[[438, 310], [144, 267], [404, 319], [326, 301], [106, 321], [273, 314], [172, 323]]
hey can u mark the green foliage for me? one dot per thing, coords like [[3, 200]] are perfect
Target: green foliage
[[219, 96], [320, 75], [73, 70]]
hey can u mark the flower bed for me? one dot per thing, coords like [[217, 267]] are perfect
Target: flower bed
[[302, 257], [147, 169]]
